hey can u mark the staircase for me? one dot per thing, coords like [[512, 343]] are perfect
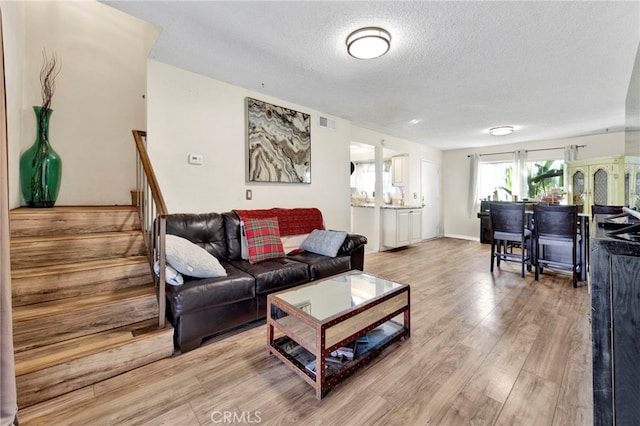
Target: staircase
[[84, 303]]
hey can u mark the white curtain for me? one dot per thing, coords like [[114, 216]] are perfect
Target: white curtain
[[472, 200], [364, 178], [519, 185], [570, 153]]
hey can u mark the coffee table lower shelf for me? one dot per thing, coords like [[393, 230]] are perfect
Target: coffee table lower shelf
[[303, 362]]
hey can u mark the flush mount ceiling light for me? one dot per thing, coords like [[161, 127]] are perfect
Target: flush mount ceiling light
[[501, 131], [368, 43]]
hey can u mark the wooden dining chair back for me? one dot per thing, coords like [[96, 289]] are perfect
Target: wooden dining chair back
[[509, 231], [556, 226]]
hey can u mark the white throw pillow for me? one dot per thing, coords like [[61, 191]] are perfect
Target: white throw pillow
[[244, 245], [191, 259], [292, 242]]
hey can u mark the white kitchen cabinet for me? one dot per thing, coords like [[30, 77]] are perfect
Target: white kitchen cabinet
[[363, 221], [415, 232], [401, 227], [400, 170]]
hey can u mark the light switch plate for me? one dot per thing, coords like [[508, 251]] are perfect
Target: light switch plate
[[249, 194]]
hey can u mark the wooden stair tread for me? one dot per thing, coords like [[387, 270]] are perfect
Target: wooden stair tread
[[37, 284], [71, 209], [72, 220], [44, 309], [57, 353], [69, 375], [31, 251], [87, 236], [84, 301], [65, 268]]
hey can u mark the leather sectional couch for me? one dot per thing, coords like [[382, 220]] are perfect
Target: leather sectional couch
[[203, 307]]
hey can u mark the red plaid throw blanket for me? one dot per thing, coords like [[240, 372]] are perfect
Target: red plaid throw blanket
[[291, 221]]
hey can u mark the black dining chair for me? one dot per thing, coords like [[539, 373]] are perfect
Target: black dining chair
[[555, 228], [509, 231], [601, 209]]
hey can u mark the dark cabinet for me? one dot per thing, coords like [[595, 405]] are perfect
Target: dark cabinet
[[615, 303], [485, 223]]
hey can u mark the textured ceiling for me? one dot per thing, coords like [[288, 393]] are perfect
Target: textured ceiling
[[550, 69]]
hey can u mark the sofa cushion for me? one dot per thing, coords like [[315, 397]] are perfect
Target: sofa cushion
[[275, 274], [322, 266], [323, 242], [263, 239], [203, 293], [204, 229], [191, 259], [232, 235]]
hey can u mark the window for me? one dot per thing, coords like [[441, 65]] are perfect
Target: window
[[495, 181], [544, 180], [363, 178]]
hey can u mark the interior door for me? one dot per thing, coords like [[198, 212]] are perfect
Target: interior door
[[430, 188]]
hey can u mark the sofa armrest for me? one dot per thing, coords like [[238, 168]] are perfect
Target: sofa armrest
[[352, 243], [354, 247]]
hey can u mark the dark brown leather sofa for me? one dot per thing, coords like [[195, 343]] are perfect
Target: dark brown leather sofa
[[204, 307]]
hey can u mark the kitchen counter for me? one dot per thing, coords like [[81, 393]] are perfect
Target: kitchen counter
[[399, 224], [386, 206]]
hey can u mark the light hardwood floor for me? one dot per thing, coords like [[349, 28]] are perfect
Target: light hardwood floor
[[484, 349]]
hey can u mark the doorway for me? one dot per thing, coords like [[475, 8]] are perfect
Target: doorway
[[430, 188]]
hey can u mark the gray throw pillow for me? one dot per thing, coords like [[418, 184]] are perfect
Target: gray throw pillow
[[326, 243], [191, 259]]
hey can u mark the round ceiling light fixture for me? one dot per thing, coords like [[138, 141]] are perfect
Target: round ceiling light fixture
[[501, 130], [368, 43]]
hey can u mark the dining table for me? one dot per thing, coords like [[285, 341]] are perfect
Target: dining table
[[556, 253]]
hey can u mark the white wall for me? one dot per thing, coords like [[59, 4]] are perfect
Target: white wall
[[416, 153], [192, 114], [13, 29], [455, 173], [98, 98]]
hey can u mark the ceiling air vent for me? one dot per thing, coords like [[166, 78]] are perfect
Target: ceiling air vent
[[327, 122]]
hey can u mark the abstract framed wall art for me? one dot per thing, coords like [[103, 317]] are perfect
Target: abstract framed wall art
[[279, 144]]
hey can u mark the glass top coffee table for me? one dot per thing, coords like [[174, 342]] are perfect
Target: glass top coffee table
[[325, 330]]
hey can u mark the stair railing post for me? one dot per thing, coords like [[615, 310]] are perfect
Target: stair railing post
[[162, 221]]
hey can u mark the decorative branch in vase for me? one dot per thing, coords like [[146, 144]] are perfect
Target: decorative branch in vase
[[40, 165]]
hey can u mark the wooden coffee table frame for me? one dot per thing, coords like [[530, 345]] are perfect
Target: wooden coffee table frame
[[321, 338]]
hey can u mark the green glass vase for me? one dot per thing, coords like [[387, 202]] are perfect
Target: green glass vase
[[40, 166]]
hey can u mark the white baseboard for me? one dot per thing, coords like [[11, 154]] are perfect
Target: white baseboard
[[463, 237]]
